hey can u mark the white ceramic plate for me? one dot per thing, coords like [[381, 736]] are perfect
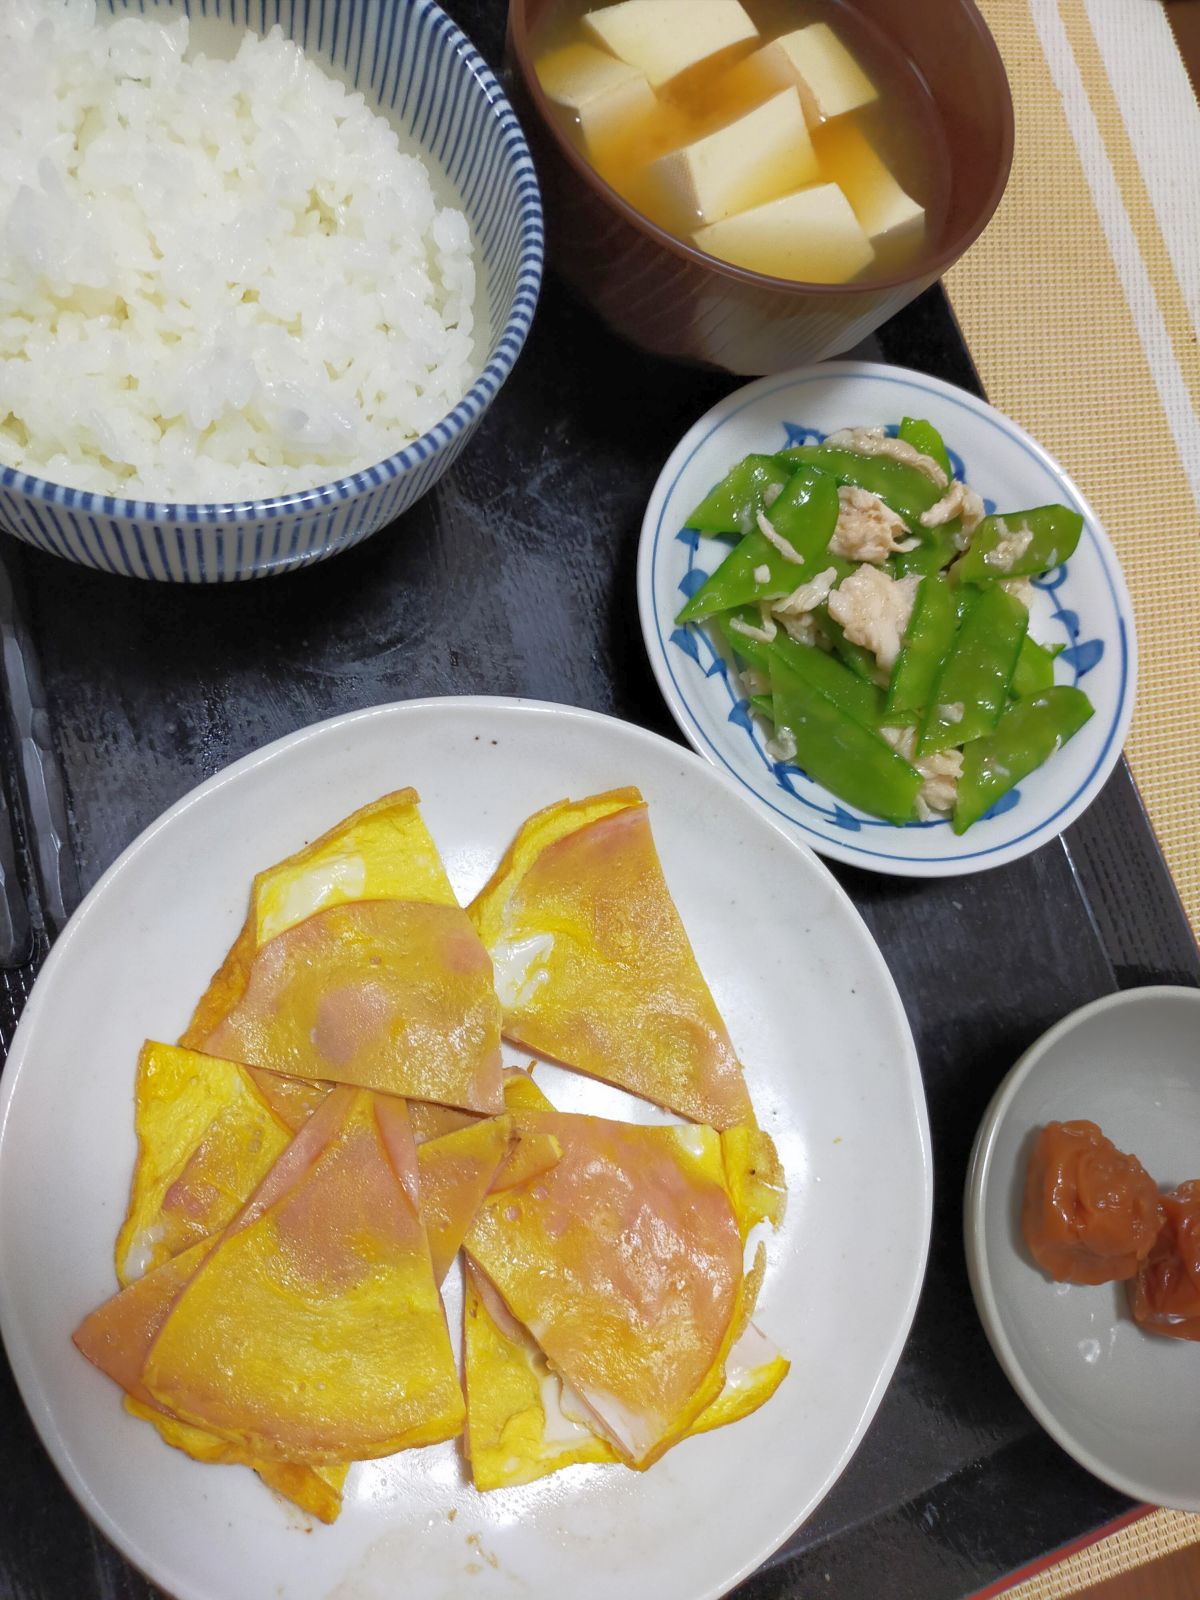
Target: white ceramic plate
[[1083, 605], [829, 1060], [1124, 1403]]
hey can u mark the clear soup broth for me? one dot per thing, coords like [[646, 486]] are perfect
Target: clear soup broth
[[898, 131]]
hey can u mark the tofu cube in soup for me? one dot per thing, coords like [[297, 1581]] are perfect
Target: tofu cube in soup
[[665, 37], [812, 236], [754, 159], [604, 93], [879, 202], [829, 79]]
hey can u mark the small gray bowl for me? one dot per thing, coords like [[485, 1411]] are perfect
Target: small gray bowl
[[1124, 1403]]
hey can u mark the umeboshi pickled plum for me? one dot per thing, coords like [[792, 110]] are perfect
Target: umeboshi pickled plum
[[1091, 1213], [1165, 1295]]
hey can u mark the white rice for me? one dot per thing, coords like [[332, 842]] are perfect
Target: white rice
[[218, 279]]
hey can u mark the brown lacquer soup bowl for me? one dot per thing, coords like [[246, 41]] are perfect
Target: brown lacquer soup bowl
[[668, 297]]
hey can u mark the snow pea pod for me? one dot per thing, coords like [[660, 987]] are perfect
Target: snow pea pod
[[969, 693], [937, 549], [754, 653], [927, 642], [898, 485], [1028, 734], [923, 436], [805, 515], [816, 668], [732, 505], [851, 761], [939, 546], [1000, 549], [861, 700], [736, 581], [1035, 667]]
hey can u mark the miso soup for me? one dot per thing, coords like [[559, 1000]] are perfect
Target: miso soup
[[787, 136]]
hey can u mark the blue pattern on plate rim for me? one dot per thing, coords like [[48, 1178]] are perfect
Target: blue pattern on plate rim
[[407, 57], [1080, 657]]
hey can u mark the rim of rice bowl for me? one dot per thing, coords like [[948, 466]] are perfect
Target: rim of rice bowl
[[473, 403]]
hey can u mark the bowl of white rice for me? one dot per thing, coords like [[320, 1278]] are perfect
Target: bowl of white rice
[[263, 267]]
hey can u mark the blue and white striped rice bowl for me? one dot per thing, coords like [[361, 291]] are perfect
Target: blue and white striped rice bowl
[[417, 67]]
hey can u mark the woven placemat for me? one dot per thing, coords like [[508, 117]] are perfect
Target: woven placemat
[[1149, 1539], [1081, 305]]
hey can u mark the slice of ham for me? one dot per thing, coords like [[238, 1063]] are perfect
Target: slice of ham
[[395, 1129], [220, 1176], [314, 1330], [531, 1155], [206, 1139], [383, 851], [117, 1336], [524, 1422], [430, 1121], [594, 967], [521, 1422], [321, 1129], [456, 1172], [293, 1100], [389, 995], [624, 1262]]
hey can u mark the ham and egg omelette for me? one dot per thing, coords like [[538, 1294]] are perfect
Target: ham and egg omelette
[[335, 1125]]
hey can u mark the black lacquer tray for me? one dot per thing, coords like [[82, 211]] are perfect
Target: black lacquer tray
[[516, 576]]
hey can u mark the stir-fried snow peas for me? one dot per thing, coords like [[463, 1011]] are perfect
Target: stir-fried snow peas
[[1028, 733], [972, 685], [803, 516], [927, 642], [914, 690]]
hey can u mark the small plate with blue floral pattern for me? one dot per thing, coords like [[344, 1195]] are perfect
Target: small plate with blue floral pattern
[[1083, 607]]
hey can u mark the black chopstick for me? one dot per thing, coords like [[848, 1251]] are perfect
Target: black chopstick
[[15, 930], [37, 787]]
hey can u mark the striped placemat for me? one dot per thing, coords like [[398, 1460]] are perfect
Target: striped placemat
[[1081, 305], [1149, 1538]]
